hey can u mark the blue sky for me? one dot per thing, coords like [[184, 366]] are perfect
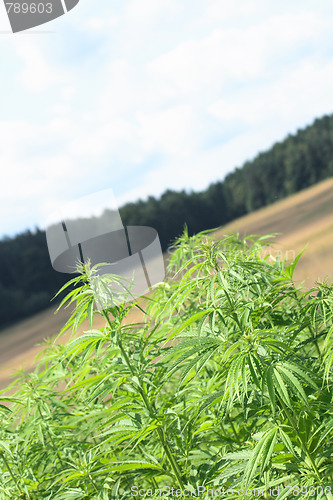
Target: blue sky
[[144, 95]]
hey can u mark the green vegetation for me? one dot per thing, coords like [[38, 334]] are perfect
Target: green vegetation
[[27, 281], [227, 383]]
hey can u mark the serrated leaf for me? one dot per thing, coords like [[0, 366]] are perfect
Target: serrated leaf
[[270, 387], [287, 441], [281, 388], [262, 451], [293, 382]]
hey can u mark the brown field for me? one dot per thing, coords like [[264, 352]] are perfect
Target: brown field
[[305, 218]]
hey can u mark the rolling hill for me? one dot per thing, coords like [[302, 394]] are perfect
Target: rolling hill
[[305, 218]]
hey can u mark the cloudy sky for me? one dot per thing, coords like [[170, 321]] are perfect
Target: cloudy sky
[[144, 95]]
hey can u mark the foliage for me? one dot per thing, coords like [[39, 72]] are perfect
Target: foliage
[[226, 383]]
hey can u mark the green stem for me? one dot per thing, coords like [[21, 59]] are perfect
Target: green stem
[[11, 472], [314, 338], [313, 335], [173, 463], [51, 439], [155, 483], [234, 315], [301, 439], [93, 483], [235, 432]]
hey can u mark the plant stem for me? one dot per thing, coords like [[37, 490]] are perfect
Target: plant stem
[[93, 483], [313, 335], [314, 338], [155, 483], [11, 472], [300, 437], [173, 463], [234, 429], [51, 439]]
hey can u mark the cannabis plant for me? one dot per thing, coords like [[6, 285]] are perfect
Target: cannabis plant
[[223, 389]]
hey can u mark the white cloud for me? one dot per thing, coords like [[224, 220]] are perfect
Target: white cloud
[[171, 131], [227, 56], [200, 87], [101, 24], [288, 99], [38, 74]]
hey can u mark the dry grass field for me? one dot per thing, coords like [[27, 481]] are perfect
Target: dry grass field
[[305, 218]]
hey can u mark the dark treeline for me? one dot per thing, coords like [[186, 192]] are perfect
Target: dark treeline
[[299, 161], [27, 280]]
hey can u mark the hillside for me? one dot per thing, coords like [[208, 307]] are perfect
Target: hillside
[[305, 218], [28, 281]]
